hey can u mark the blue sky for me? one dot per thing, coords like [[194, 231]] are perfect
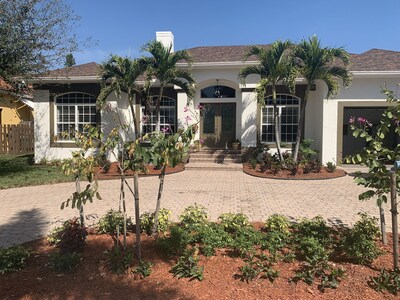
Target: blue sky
[[122, 26]]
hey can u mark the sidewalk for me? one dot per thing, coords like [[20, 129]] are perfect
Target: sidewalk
[[30, 212]]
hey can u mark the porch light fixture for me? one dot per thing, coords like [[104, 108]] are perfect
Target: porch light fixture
[[217, 91]]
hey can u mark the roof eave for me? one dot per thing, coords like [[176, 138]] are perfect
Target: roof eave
[[375, 74], [219, 64]]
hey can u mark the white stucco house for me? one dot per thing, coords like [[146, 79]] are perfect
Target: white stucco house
[[64, 100]]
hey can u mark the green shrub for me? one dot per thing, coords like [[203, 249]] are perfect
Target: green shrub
[[64, 262], [72, 237], [147, 221], [188, 266], [312, 249], [387, 280], [111, 221], [232, 222], [53, 238], [119, 260], [244, 240], [257, 267], [253, 163], [359, 242], [315, 227], [275, 241], [176, 242], [278, 223], [13, 258], [330, 166], [194, 215], [211, 237], [306, 152], [143, 269]]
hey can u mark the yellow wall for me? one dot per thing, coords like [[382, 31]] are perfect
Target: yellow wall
[[13, 112]]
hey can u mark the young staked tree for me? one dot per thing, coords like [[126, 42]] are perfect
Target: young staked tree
[[35, 36], [162, 66], [315, 63], [275, 67]]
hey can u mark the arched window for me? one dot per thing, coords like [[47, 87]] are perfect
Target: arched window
[[167, 115], [218, 91], [74, 111], [288, 110]]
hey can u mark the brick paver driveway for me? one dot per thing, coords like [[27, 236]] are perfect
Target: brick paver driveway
[[29, 212]]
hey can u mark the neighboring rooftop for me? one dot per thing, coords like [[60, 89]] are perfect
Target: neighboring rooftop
[[371, 60]]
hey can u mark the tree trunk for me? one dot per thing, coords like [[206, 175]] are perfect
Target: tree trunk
[[277, 129], [158, 103], [123, 207], [135, 125], [382, 224], [393, 209], [137, 216], [81, 212], [301, 123], [160, 189]]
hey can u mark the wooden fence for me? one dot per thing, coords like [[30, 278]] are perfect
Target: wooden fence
[[16, 139]]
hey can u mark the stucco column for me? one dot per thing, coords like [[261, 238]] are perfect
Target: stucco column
[[42, 125], [248, 112]]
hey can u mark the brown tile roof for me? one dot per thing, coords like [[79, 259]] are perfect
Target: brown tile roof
[[372, 60], [376, 60], [89, 69]]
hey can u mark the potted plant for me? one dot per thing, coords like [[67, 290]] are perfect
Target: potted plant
[[235, 145]]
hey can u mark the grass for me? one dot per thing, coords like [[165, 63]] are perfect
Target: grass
[[17, 171]]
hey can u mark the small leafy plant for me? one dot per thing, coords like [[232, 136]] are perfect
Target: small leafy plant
[[232, 222], [315, 227], [112, 221], [176, 242], [143, 269], [119, 260], [253, 163], [330, 166], [64, 262], [194, 215], [211, 237], [53, 238], [277, 222], [257, 266], [188, 266], [147, 221], [72, 238], [13, 258], [387, 280]]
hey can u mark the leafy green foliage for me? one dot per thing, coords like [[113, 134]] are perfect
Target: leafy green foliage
[[188, 266], [245, 239], [143, 269], [66, 262], [119, 260], [211, 237], [387, 280], [53, 238], [177, 241], [233, 222], [257, 266], [315, 227], [275, 241], [330, 166], [253, 163], [306, 152], [359, 243], [193, 216], [72, 237], [277, 222], [147, 221], [111, 222], [311, 248], [13, 258]]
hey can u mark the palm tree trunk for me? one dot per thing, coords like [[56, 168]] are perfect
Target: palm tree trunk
[[78, 190], [160, 190], [135, 125], [137, 216], [276, 123], [301, 123], [158, 103]]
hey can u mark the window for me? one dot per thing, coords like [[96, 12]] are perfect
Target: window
[[218, 91], [288, 110], [167, 116], [74, 111]]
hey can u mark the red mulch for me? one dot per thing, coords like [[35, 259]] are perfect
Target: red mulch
[[285, 174], [93, 280], [113, 173]]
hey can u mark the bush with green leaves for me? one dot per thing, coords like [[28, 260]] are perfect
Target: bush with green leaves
[[188, 265], [119, 260], [143, 269], [315, 227], [210, 237], [176, 242], [257, 266], [330, 167], [232, 222], [53, 238], [359, 243], [312, 249], [253, 163], [64, 262], [277, 222], [245, 239], [13, 258], [112, 221], [275, 241], [194, 215], [147, 221], [387, 280], [72, 237]]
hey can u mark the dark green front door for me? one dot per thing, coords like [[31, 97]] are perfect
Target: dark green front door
[[218, 125]]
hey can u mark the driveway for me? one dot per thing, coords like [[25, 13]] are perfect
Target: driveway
[[30, 212]]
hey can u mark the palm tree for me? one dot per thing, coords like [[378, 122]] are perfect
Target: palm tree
[[316, 63], [162, 65], [120, 74], [276, 65]]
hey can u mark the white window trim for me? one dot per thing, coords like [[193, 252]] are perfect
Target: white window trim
[[142, 109]]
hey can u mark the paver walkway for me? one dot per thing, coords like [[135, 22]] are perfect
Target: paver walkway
[[29, 212]]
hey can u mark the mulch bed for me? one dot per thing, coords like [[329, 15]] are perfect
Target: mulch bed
[[113, 173], [285, 174], [93, 280]]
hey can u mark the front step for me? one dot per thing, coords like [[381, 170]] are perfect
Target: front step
[[216, 159]]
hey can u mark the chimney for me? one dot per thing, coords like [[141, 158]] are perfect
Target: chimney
[[166, 38]]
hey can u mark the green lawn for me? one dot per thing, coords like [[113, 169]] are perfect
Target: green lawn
[[16, 171]]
